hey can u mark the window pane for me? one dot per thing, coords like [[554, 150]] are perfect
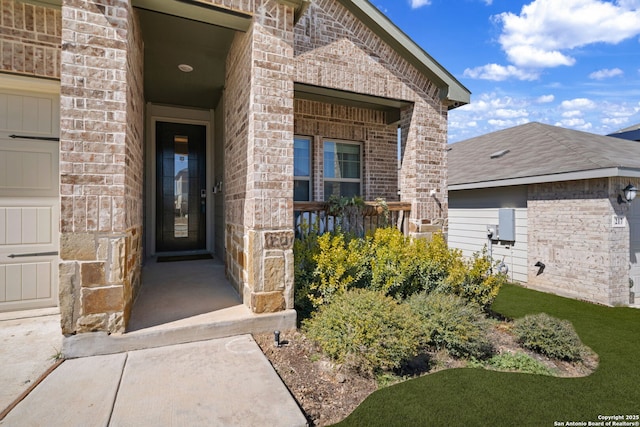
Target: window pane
[[330, 160], [301, 157], [181, 186], [301, 191], [341, 189], [341, 160]]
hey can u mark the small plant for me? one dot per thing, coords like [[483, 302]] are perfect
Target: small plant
[[365, 330], [519, 362], [474, 281], [341, 264], [550, 336], [449, 322]]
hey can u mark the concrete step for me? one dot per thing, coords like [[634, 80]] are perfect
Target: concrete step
[[231, 321]]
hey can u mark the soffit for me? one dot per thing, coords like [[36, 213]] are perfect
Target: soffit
[[352, 99]]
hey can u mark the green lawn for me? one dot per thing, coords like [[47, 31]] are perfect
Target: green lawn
[[477, 397]]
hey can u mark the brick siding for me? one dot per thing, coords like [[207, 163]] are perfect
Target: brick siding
[[368, 127], [570, 232], [334, 49], [30, 42], [101, 162]]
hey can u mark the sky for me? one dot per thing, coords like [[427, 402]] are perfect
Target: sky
[[569, 63]]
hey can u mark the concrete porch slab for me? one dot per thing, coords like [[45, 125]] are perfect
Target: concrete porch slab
[[222, 382], [180, 302]]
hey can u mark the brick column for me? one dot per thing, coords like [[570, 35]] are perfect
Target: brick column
[[423, 167], [101, 164], [259, 160]]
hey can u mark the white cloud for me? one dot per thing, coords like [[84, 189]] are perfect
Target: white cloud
[[572, 113], [618, 122], [498, 73], [578, 103], [545, 99], [506, 123], [577, 123], [419, 3], [545, 30], [504, 113], [606, 73]]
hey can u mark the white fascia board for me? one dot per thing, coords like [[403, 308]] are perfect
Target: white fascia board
[[541, 179]]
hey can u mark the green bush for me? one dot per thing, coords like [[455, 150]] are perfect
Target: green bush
[[473, 279], [449, 322], [365, 330], [520, 362], [550, 336], [400, 266], [305, 249], [341, 264]]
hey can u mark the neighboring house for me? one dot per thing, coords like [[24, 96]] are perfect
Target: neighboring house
[[555, 197], [632, 133], [255, 97]]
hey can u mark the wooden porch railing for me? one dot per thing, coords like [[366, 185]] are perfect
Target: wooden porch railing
[[314, 216]]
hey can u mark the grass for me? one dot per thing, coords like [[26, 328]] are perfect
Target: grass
[[477, 397]]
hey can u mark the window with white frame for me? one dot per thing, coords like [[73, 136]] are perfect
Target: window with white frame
[[342, 169], [301, 169]]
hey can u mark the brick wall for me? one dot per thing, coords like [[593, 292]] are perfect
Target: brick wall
[[259, 160], [368, 127], [100, 164], [570, 232], [334, 49], [30, 42]]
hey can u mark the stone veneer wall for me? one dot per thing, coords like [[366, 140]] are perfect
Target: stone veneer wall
[[379, 144], [101, 164], [259, 160], [336, 50], [30, 42], [570, 231]]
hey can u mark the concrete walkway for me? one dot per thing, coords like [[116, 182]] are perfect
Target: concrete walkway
[[29, 344], [220, 382]]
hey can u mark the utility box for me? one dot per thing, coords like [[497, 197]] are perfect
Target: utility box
[[507, 224]]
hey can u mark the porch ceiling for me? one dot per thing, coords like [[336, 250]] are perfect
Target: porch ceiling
[[170, 41]]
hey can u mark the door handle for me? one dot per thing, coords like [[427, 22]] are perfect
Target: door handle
[[203, 193]]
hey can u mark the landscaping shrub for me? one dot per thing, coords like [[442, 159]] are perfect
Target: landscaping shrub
[[365, 330], [452, 323], [305, 249], [550, 336], [400, 266], [473, 279], [341, 264], [520, 362]]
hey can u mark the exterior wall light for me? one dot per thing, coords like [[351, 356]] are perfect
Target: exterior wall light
[[628, 194]]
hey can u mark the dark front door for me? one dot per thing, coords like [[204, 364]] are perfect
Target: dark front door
[[181, 187]]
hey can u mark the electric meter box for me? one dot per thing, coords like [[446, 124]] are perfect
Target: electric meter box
[[507, 224]]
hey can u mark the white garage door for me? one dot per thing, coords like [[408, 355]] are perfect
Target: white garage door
[[29, 198]]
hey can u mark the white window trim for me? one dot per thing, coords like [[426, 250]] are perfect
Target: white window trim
[[348, 180], [309, 177]]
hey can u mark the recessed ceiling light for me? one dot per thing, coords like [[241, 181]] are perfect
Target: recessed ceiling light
[[185, 68]]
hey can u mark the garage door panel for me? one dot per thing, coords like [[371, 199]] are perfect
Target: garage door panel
[[29, 198], [28, 169], [26, 226], [27, 113], [13, 280]]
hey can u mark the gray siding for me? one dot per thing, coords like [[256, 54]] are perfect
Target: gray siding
[[468, 232]]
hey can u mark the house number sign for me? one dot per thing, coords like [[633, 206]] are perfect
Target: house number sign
[[618, 221]]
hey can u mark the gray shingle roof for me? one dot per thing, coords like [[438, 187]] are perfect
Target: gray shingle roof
[[536, 150]]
